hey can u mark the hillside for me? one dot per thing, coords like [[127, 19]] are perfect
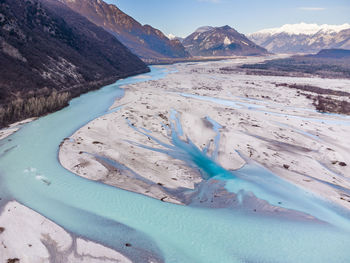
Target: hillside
[[48, 54], [148, 43]]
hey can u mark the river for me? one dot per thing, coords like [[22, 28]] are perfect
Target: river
[[162, 231]]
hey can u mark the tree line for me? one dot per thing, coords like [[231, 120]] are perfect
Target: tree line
[[23, 108]]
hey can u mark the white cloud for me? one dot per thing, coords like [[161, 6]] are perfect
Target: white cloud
[[312, 8]]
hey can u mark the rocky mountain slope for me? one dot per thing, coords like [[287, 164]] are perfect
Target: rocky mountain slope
[[145, 41], [220, 41], [303, 38], [48, 53]]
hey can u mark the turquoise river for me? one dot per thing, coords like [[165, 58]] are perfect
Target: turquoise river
[[158, 231]]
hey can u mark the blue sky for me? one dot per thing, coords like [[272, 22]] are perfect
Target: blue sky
[[182, 17]]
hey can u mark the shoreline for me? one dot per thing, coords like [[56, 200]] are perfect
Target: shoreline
[[42, 240], [92, 85], [14, 127], [48, 242]]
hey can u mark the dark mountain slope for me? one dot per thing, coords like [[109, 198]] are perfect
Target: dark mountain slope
[[145, 41], [220, 41], [48, 53], [333, 54]]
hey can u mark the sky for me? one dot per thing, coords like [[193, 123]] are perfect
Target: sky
[[183, 17]]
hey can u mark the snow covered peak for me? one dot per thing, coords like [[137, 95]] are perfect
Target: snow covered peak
[[304, 29], [171, 36]]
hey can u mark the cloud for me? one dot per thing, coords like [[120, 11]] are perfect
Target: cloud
[[312, 8]]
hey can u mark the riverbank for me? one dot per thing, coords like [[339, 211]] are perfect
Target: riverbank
[[12, 128], [44, 101], [275, 127], [27, 237]]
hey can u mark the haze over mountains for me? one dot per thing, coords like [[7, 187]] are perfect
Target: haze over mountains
[[303, 38], [220, 41], [148, 43]]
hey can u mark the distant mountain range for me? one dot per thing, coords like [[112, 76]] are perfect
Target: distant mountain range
[[220, 41], [46, 50], [303, 38], [148, 43]]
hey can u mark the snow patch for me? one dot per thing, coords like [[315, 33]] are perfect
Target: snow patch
[[171, 36], [227, 41]]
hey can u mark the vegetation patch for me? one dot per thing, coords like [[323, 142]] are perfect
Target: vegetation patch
[[331, 105], [301, 66], [32, 106], [314, 89]]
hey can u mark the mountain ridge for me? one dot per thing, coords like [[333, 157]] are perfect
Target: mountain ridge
[[220, 41], [309, 38], [147, 42], [303, 29]]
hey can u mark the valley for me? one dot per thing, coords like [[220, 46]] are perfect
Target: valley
[[127, 135], [206, 143]]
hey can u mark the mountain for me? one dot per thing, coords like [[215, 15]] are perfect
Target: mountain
[[48, 54], [148, 43], [333, 54], [220, 41], [303, 38]]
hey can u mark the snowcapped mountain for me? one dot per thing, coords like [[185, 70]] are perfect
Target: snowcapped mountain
[[220, 41], [303, 38], [304, 29]]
